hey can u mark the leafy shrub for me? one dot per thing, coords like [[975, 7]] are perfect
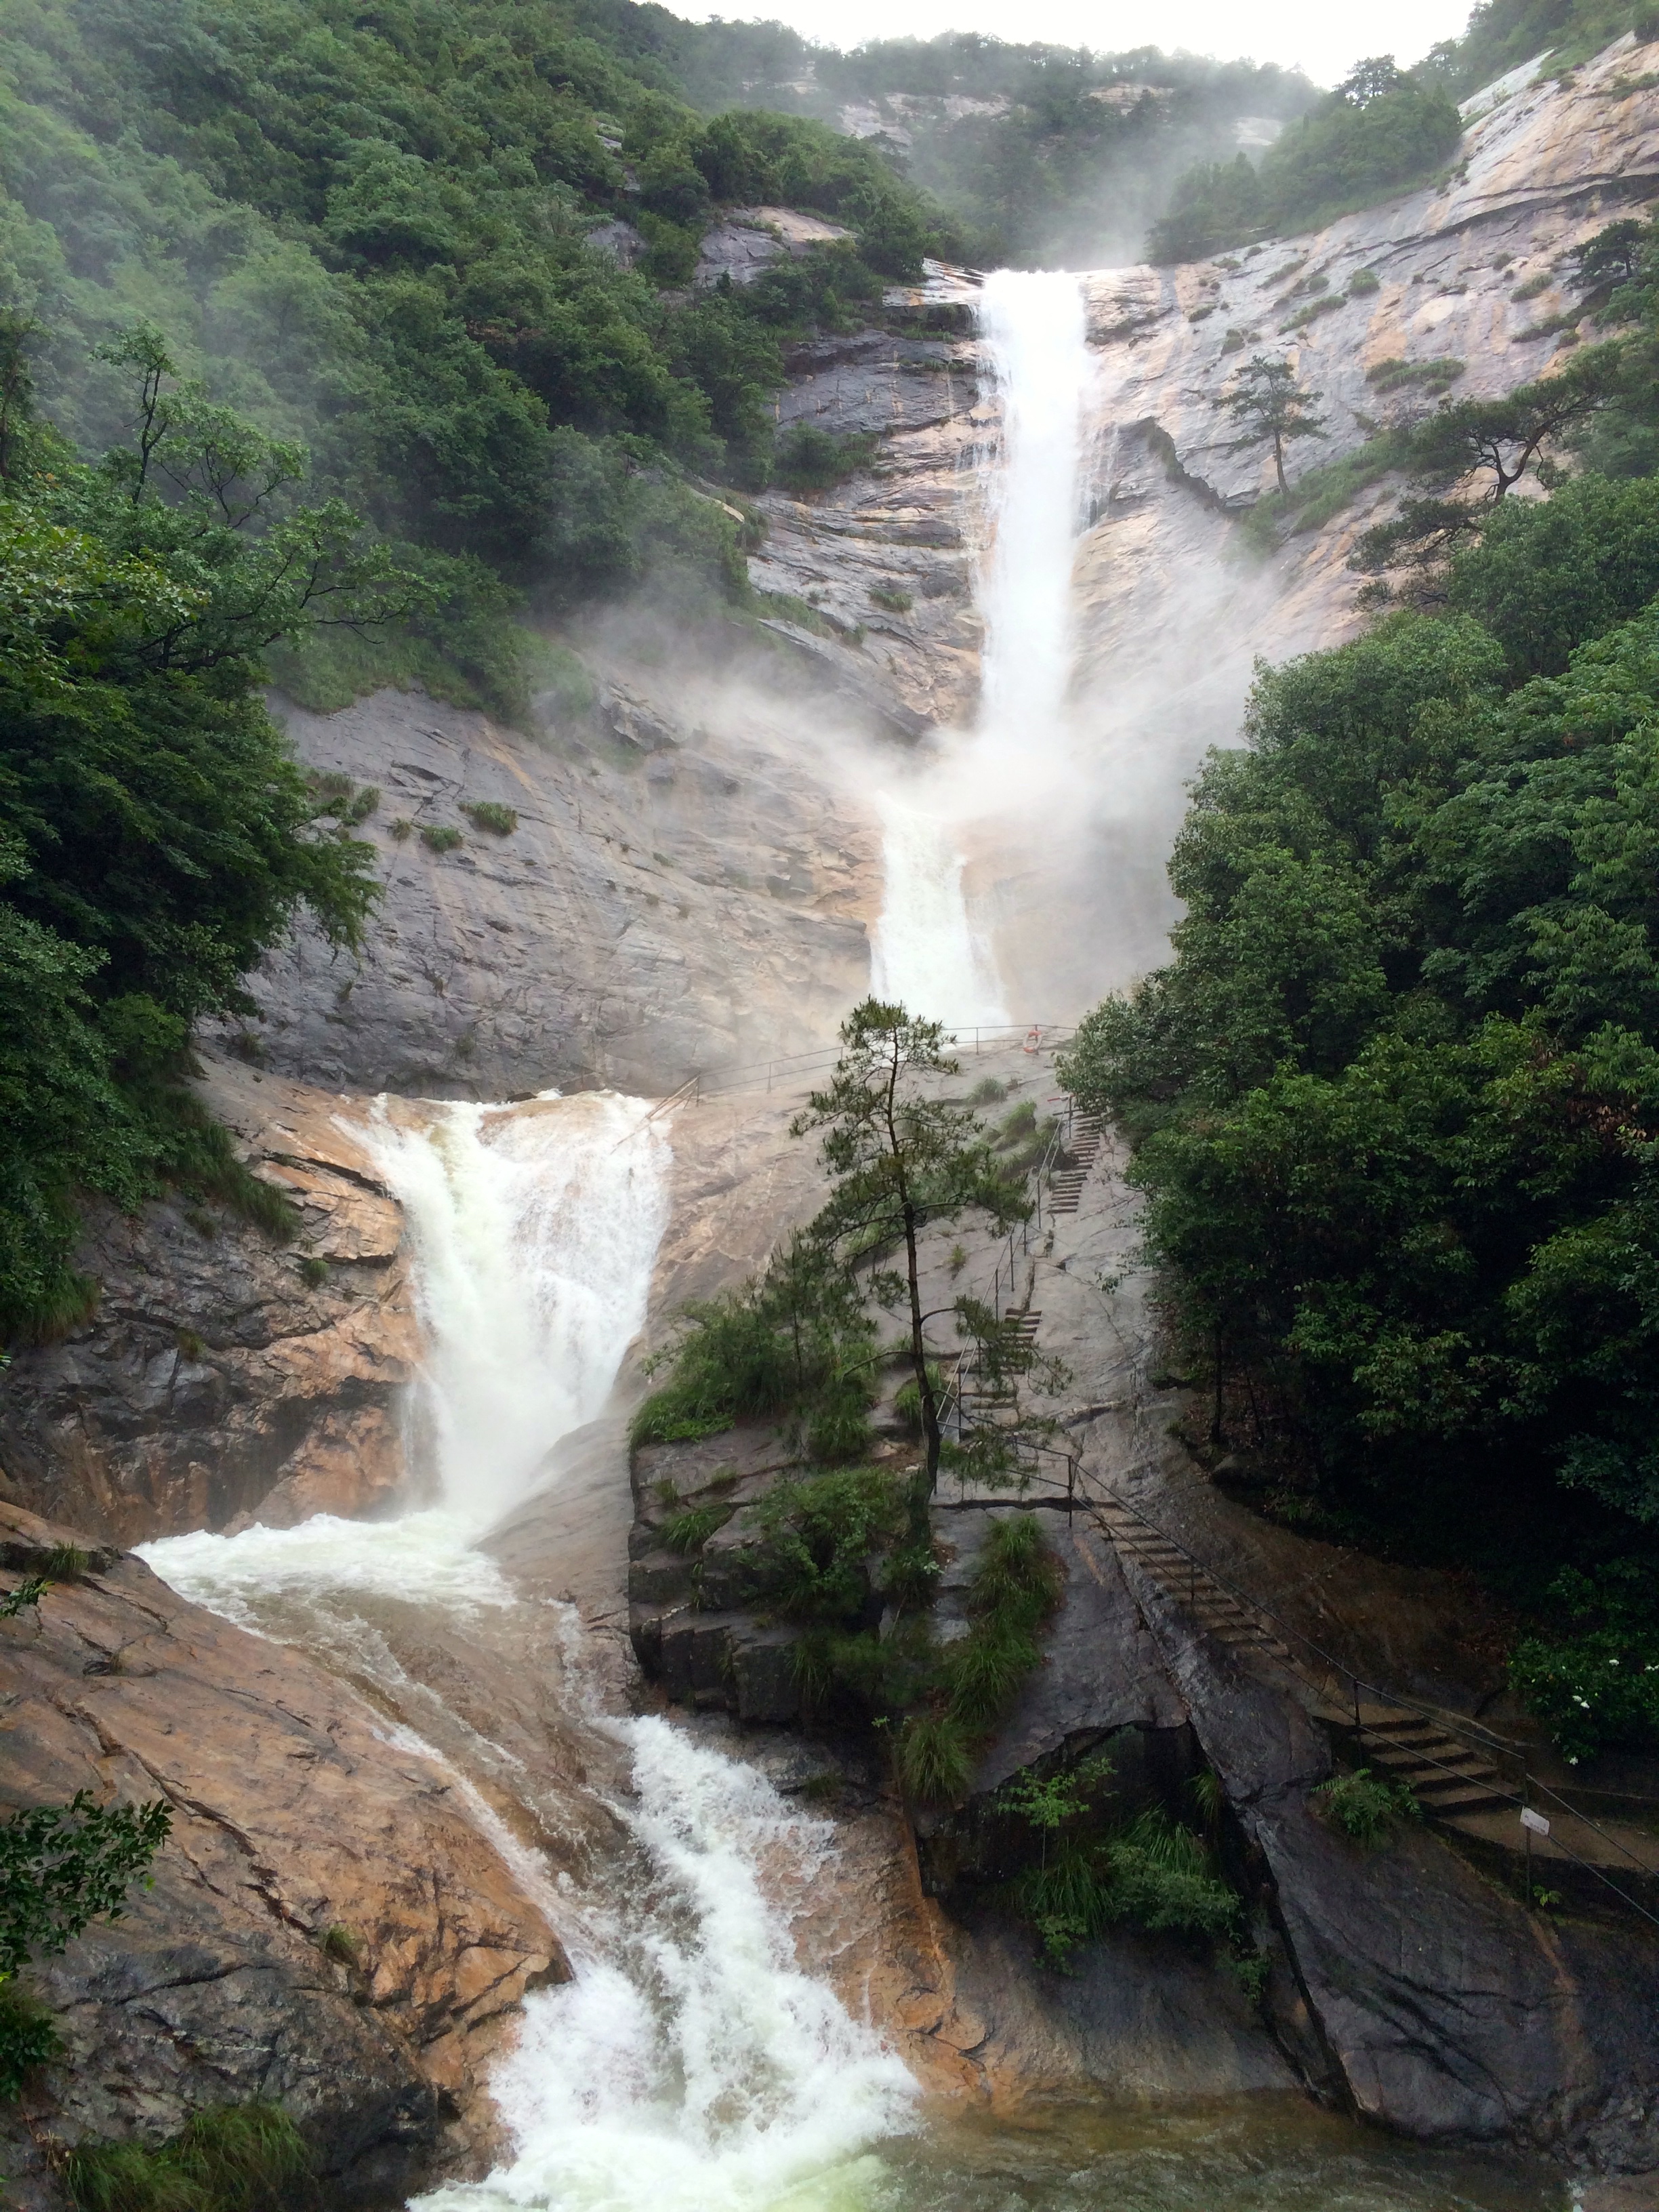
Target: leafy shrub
[[231, 2158], [1153, 1874], [441, 837], [62, 1867], [810, 460], [28, 2037], [794, 1340], [1362, 282], [489, 814], [1365, 1807], [817, 1537], [1594, 1680]]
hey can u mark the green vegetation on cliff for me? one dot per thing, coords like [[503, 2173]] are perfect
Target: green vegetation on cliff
[[1394, 1096], [157, 835], [373, 234], [1382, 131]]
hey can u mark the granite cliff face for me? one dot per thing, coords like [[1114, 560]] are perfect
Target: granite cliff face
[[295, 1811], [221, 1376]]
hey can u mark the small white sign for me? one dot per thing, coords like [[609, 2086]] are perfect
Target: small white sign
[[1535, 1821]]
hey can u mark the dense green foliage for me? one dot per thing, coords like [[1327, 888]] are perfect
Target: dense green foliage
[[372, 235], [794, 1341], [1382, 131], [1395, 1094], [157, 835], [1504, 34], [1094, 1870], [229, 2158], [62, 1867], [1367, 1807]]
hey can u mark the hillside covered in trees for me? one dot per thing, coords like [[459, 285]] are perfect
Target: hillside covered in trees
[[1394, 1098]]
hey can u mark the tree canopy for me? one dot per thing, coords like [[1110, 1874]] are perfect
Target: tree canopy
[[1381, 130]]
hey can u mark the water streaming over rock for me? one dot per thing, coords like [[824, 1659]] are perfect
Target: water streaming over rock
[[931, 949], [690, 2066]]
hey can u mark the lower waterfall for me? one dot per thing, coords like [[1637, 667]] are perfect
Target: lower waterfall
[[690, 2066]]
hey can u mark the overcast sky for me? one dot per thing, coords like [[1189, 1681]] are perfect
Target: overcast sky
[[1325, 38]]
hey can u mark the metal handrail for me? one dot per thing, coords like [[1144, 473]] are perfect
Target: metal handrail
[[1472, 1733]]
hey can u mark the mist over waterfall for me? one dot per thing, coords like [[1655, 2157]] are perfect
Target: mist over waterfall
[[932, 948]]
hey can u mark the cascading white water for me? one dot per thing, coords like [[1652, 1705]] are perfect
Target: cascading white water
[[534, 1230], [927, 949], [1037, 349], [690, 2066]]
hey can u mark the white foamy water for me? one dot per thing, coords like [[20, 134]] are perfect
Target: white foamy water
[[534, 1230], [930, 949], [690, 2066]]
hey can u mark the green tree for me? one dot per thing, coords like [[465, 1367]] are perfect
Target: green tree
[[1271, 408], [159, 835], [902, 1157]]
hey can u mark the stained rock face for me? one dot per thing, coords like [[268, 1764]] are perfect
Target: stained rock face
[[293, 1815], [686, 886], [224, 1377]]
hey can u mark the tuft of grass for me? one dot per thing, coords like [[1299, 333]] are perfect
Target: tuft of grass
[[441, 837], [987, 1092], [1533, 287], [896, 602], [1398, 375], [402, 828], [690, 1531], [489, 814], [230, 2158], [1363, 280], [933, 1758], [339, 1944]]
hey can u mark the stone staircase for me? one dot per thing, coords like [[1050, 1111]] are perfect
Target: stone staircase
[[1065, 1184], [1447, 1775], [981, 1400]]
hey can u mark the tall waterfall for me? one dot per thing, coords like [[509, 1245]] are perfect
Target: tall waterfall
[[690, 2066], [929, 949]]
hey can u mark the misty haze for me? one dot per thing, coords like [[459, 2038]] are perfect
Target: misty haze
[[830, 1180]]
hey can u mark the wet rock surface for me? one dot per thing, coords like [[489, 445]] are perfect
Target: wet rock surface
[[685, 886], [293, 1813], [222, 1375]]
